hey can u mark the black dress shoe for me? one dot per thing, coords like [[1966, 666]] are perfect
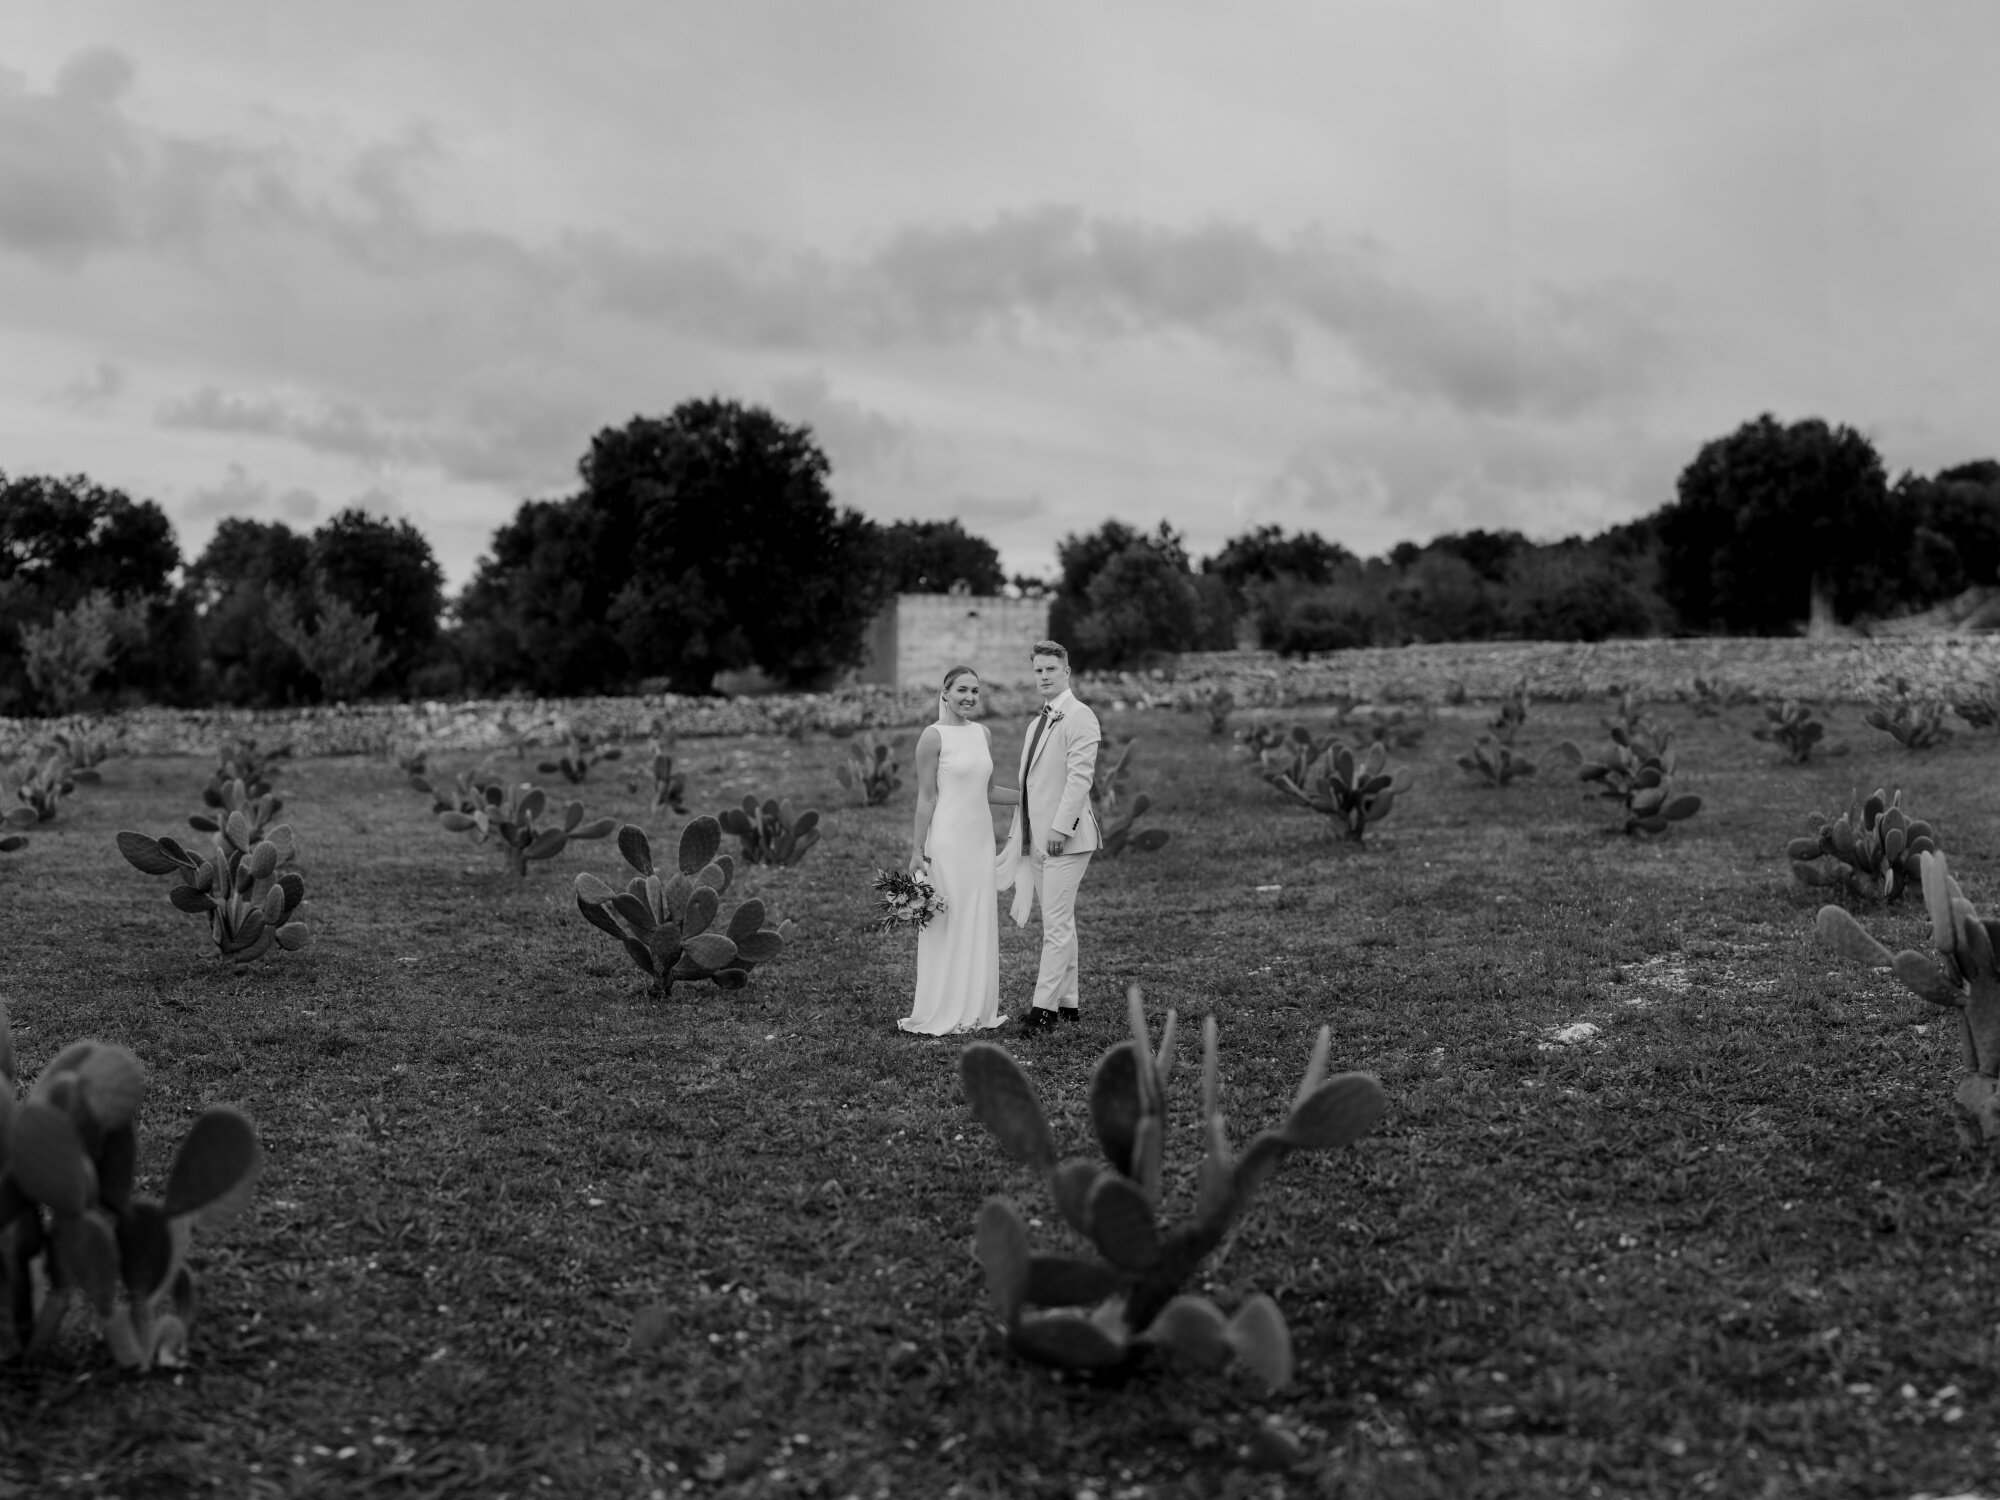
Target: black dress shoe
[[1037, 1021], [1070, 1013]]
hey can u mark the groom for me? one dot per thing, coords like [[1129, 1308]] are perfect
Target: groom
[[1058, 828]]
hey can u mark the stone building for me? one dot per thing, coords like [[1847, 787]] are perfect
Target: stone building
[[916, 640]]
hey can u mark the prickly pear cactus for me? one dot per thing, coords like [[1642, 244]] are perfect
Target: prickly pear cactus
[[511, 822], [1093, 1315], [246, 761], [770, 834], [1911, 719], [583, 752], [1511, 715], [669, 926], [1790, 725], [1219, 705], [1117, 807], [666, 788], [71, 1226], [251, 901], [1873, 850], [235, 806], [37, 786], [1637, 773], [1495, 762], [1355, 790], [1963, 976], [872, 768]]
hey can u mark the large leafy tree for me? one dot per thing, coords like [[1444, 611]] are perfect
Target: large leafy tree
[[63, 539], [1956, 513], [534, 615], [738, 556], [1772, 512], [229, 586], [385, 569], [929, 557], [702, 541]]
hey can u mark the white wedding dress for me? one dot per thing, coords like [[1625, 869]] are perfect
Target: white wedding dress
[[958, 955]]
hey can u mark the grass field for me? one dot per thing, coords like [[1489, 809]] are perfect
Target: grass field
[[1725, 1246]]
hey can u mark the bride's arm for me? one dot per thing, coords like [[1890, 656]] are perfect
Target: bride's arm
[[1002, 796], [927, 767]]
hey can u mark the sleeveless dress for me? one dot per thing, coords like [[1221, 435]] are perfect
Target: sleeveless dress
[[958, 955]]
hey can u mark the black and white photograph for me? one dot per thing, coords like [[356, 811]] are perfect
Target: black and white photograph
[[906, 750]]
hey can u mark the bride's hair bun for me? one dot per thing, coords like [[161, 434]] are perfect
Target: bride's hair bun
[[953, 675]]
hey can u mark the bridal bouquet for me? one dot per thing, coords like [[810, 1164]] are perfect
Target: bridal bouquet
[[906, 900]]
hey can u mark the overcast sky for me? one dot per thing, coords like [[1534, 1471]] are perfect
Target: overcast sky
[[1376, 269]]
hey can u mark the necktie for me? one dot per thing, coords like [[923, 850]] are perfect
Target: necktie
[[1034, 742]]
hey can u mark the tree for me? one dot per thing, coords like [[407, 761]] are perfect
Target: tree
[[727, 549], [385, 569], [62, 540], [65, 657], [930, 557], [1267, 555], [1771, 512], [1080, 558], [1139, 603], [534, 615], [343, 650], [227, 586], [1956, 516]]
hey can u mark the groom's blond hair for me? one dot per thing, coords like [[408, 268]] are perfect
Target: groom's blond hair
[[1049, 648]]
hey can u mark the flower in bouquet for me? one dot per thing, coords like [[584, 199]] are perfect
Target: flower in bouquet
[[905, 900]]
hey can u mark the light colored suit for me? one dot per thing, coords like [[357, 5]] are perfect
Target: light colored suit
[[1055, 786]]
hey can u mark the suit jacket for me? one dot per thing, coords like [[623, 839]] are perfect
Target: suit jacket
[[1056, 785]]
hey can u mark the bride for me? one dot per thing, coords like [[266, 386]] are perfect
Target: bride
[[958, 954]]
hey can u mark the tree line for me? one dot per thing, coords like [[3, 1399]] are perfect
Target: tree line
[[707, 540]]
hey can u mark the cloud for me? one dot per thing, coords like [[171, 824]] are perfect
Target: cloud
[[237, 494], [339, 427], [855, 439], [997, 510], [1059, 274], [95, 388]]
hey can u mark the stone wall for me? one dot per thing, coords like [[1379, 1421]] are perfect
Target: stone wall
[[926, 635], [1825, 671]]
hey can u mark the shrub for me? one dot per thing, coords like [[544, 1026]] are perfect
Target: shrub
[[666, 925], [1913, 720], [1357, 790], [512, 824], [1495, 762], [1876, 849], [342, 648], [770, 834], [1638, 775], [67, 655], [249, 903], [73, 1225], [1791, 726], [871, 768], [1093, 1315], [1962, 977]]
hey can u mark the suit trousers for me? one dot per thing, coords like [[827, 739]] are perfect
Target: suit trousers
[[1056, 878]]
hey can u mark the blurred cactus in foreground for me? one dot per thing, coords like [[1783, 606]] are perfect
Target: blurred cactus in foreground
[[770, 834], [872, 768], [1964, 976], [1495, 762], [1875, 846], [70, 1225], [667, 925], [1091, 1315], [252, 903], [1355, 790], [511, 823]]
